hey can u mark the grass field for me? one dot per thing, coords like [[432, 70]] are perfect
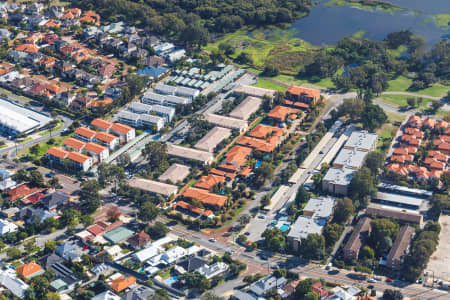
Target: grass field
[[395, 117], [400, 100], [385, 133], [386, 7], [442, 20], [402, 84], [43, 147], [264, 83], [272, 45]]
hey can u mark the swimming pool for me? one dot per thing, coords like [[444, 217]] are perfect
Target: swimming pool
[[171, 280], [285, 227]]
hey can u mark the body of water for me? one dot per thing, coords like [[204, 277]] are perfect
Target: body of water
[[424, 6], [327, 24]]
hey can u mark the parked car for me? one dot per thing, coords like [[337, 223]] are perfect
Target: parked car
[[212, 240], [371, 280], [388, 279]]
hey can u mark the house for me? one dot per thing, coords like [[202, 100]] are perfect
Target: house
[[280, 113], [190, 154], [107, 295], [238, 295], [175, 55], [153, 186], [90, 17], [152, 61], [121, 283], [80, 161], [33, 198], [118, 234], [140, 292], [190, 264], [139, 240], [69, 251], [106, 139], [359, 236], [97, 152], [207, 182], [216, 269], [7, 227], [188, 209], [260, 287], [235, 159], [20, 192], [124, 132], [85, 134], [55, 200], [30, 270], [210, 200], [107, 212], [49, 260], [66, 278], [400, 247], [106, 71], [67, 97], [9, 280], [30, 48], [71, 144], [301, 94], [32, 215], [319, 290]]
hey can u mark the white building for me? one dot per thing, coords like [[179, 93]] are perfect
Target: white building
[[181, 91], [7, 227], [213, 270], [9, 280], [165, 100]]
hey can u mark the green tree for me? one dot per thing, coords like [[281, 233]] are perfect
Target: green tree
[[389, 294], [89, 197], [313, 247], [13, 253], [195, 280], [148, 211], [70, 218], [36, 178], [50, 246], [54, 183], [332, 233], [244, 58], [343, 210], [367, 253], [156, 155], [362, 186], [383, 233], [303, 288], [373, 117], [34, 150], [374, 161], [40, 286], [274, 240], [311, 296], [157, 231], [302, 196], [271, 71]]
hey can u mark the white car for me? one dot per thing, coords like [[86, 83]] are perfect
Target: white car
[[371, 280]]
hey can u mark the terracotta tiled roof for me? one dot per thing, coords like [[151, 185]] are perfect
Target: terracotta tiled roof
[[86, 132], [415, 121], [139, 239], [297, 104], [262, 131], [281, 112], [100, 123], [74, 143], [95, 229], [27, 48], [429, 122], [105, 137], [235, 158], [78, 157], [53, 151], [258, 144], [182, 205], [124, 129], [207, 182], [442, 124], [95, 148], [20, 191], [205, 197], [122, 283], [28, 269], [304, 92]]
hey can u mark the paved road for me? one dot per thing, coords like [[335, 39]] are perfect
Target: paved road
[[12, 150]]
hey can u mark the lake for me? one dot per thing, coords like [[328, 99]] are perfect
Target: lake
[[424, 6], [327, 24]]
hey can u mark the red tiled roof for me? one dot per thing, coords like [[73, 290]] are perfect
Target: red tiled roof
[[124, 129], [262, 131], [281, 112], [207, 182], [29, 269], [53, 151], [105, 137], [74, 143], [95, 229], [100, 123], [205, 197], [86, 132], [187, 206], [27, 48], [304, 92], [78, 157], [95, 148], [122, 283]]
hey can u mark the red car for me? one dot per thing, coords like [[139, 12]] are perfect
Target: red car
[[388, 279], [86, 247]]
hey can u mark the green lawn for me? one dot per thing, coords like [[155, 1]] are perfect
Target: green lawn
[[401, 84], [264, 83], [26, 139], [400, 100], [395, 117], [43, 147], [6, 92], [442, 20], [387, 132]]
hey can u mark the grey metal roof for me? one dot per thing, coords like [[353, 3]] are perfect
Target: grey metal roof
[[361, 140], [305, 226], [341, 176], [399, 199], [350, 158], [321, 206]]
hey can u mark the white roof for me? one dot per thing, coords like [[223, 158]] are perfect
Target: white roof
[[351, 158], [175, 173], [227, 122], [213, 138], [173, 254], [114, 250], [9, 280], [361, 140], [153, 250], [153, 186], [108, 295], [322, 207], [6, 227], [246, 108], [254, 91], [305, 226], [340, 176], [399, 199], [189, 153]]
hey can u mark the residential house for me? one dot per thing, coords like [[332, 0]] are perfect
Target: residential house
[[213, 270], [30, 270], [213, 138], [55, 200], [281, 113], [140, 292], [32, 215], [190, 264], [20, 191], [213, 201], [71, 144], [139, 240], [268, 283], [7, 227], [301, 94], [67, 97], [69, 251], [122, 283], [9, 280], [107, 295], [90, 17]]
